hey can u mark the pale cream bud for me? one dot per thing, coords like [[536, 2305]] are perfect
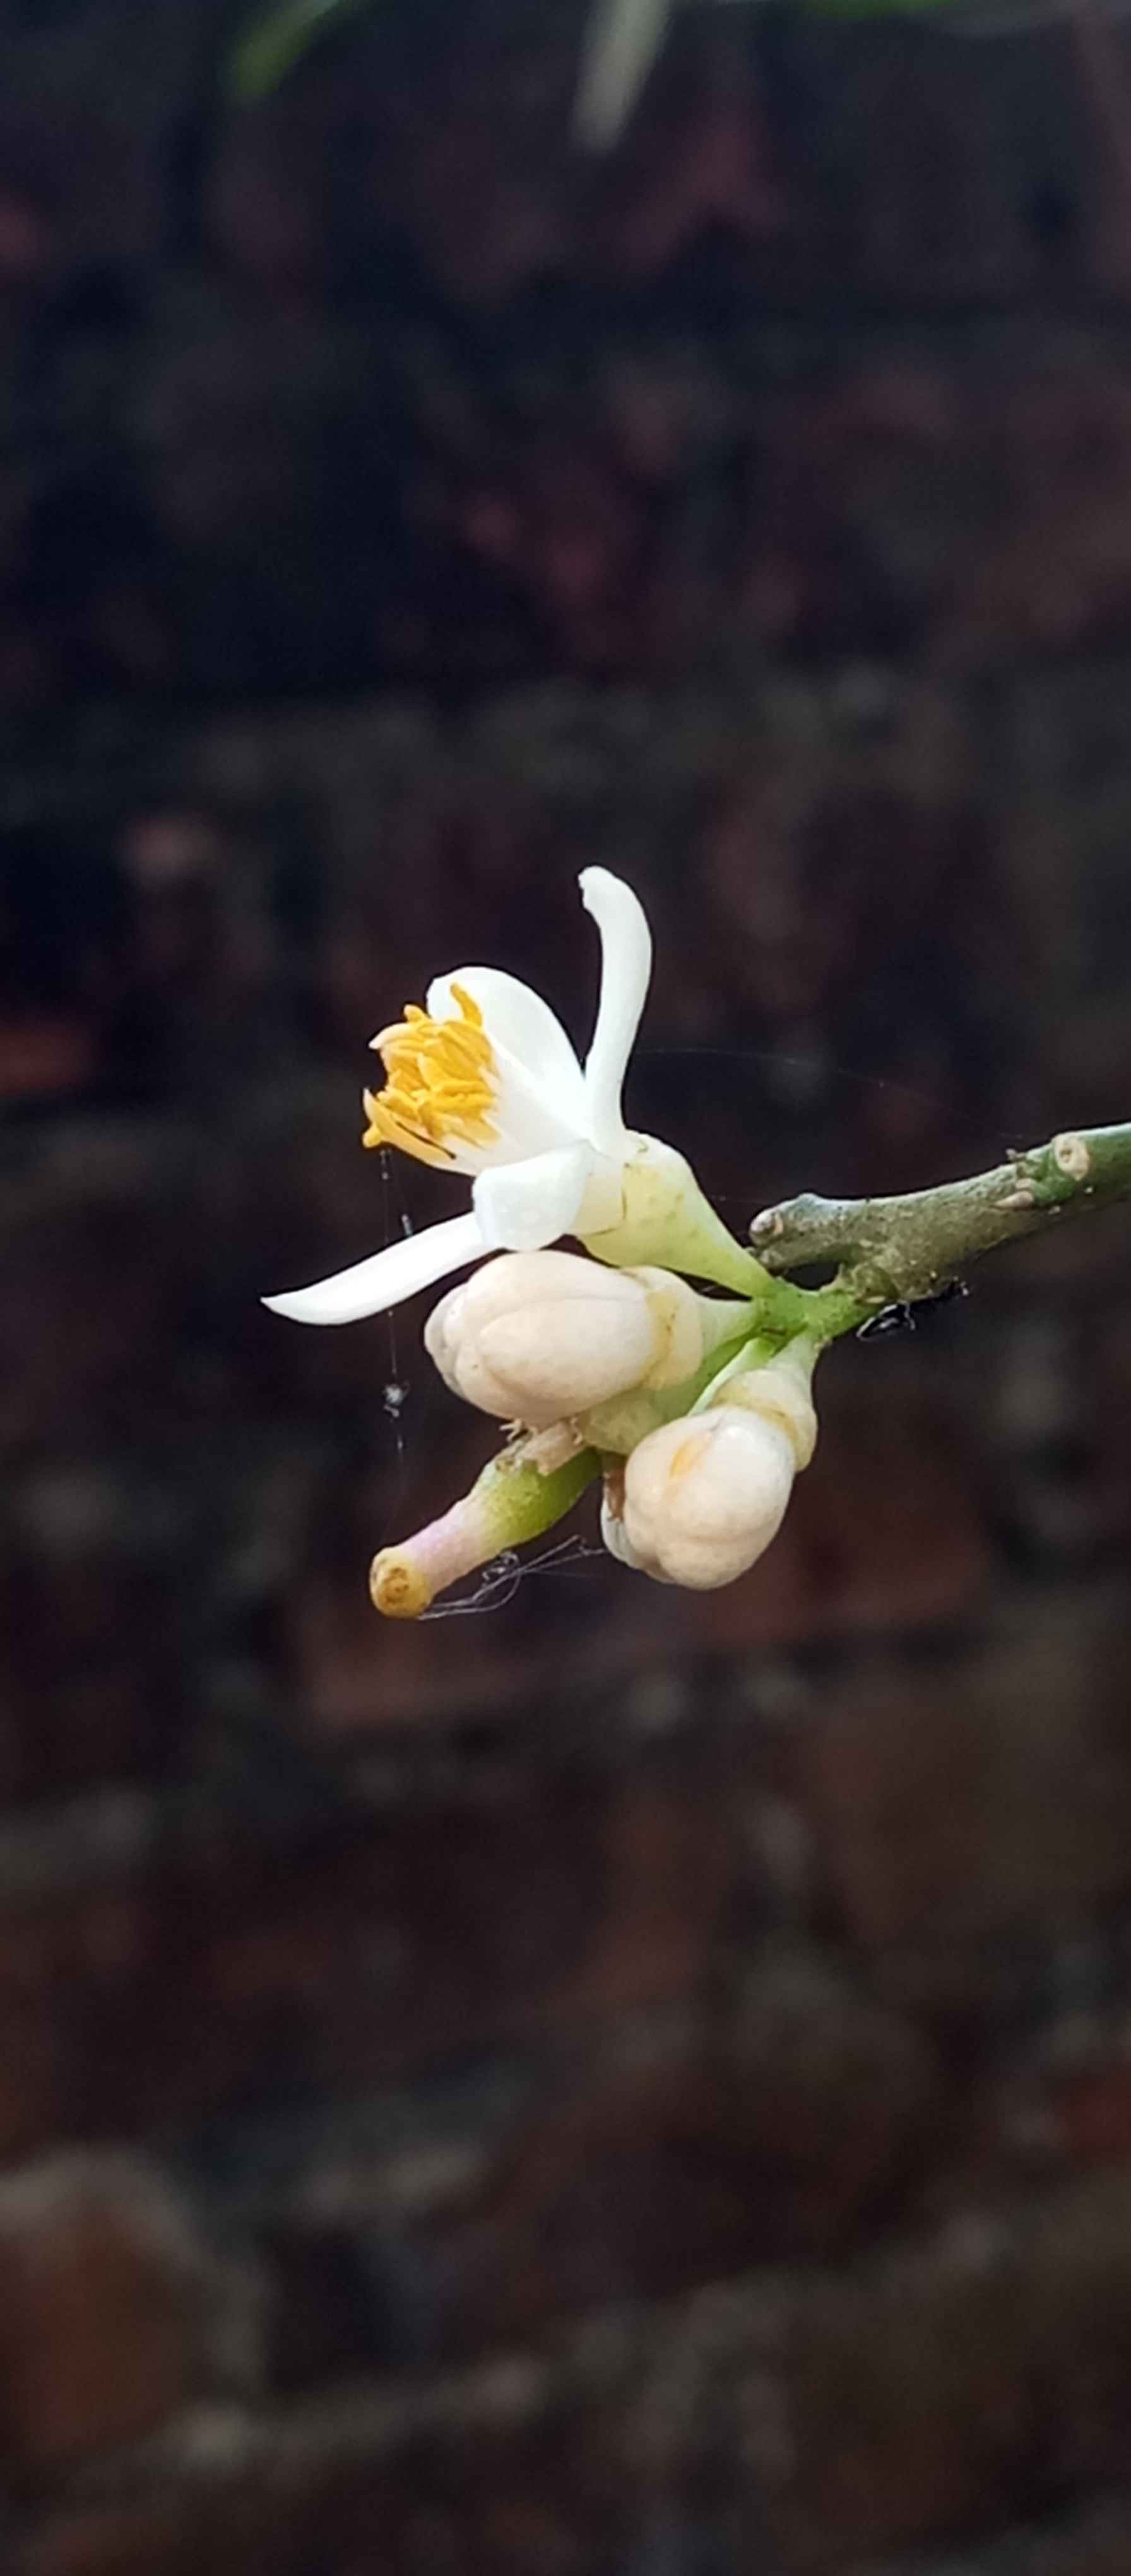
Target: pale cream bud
[[613, 1530], [534, 1337], [779, 1392], [702, 1497]]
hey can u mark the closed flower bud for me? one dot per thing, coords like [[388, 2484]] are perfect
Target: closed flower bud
[[534, 1337], [701, 1498], [613, 1530], [517, 1497], [779, 1392]]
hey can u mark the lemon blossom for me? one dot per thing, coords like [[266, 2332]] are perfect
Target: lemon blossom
[[542, 1337], [484, 1081], [699, 1499], [695, 1502], [516, 1497]]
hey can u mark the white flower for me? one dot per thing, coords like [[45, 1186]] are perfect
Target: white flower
[[536, 1337], [699, 1500], [484, 1081]]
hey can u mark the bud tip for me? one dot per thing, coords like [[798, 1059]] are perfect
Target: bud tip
[[397, 1586]]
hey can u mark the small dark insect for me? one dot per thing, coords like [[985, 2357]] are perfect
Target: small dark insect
[[904, 1317]]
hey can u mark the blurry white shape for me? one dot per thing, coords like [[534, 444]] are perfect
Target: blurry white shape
[[622, 40]]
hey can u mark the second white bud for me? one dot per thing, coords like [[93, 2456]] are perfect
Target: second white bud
[[699, 1500], [535, 1337]]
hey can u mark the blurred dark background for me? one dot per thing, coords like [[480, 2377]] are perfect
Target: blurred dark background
[[627, 2084]]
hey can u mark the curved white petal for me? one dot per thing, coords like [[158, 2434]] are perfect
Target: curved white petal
[[626, 966], [521, 1025], [522, 1206], [387, 1278], [619, 48]]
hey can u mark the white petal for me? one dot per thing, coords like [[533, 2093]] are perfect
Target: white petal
[[522, 1206], [387, 1278], [520, 1025], [528, 1120], [622, 39], [626, 965]]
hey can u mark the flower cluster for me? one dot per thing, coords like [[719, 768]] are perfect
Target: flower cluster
[[694, 1407]]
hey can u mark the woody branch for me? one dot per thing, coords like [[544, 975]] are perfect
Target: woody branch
[[895, 1250]]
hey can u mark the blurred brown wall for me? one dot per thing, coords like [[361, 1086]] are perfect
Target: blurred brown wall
[[623, 2084]]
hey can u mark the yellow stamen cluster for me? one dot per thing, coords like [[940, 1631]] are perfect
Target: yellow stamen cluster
[[440, 1086]]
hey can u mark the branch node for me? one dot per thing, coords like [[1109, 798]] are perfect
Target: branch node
[[1072, 1156], [893, 1252]]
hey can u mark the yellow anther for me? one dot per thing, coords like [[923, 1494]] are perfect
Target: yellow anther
[[440, 1086]]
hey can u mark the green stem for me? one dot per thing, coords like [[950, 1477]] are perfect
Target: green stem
[[894, 1250]]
